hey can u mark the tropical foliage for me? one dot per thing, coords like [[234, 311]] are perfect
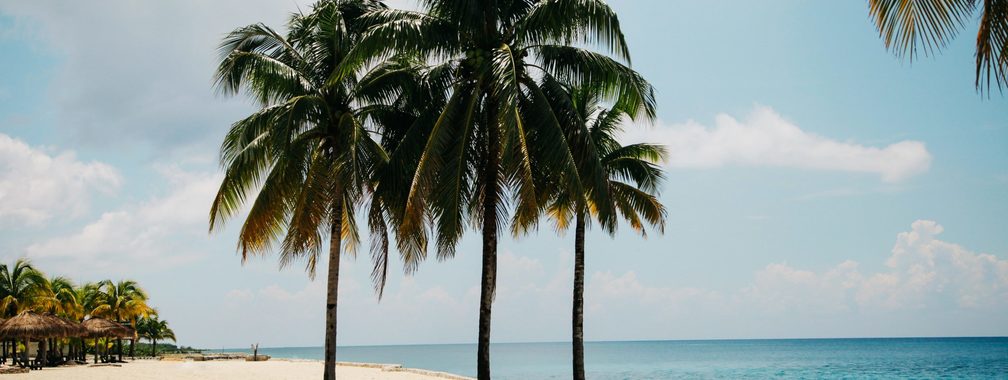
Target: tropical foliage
[[594, 129], [910, 26], [432, 121], [307, 151], [154, 329], [24, 287]]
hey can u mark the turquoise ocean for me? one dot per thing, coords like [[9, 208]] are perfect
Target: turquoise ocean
[[881, 358]]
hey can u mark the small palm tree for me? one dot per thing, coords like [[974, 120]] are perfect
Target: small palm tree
[[909, 26], [58, 296], [154, 329], [306, 150], [21, 287], [606, 167], [124, 302], [496, 135]]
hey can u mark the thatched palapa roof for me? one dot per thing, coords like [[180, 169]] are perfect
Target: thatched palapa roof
[[31, 325], [100, 328]]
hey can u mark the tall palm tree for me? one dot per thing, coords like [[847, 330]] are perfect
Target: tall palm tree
[[496, 145], [593, 130], [307, 149], [154, 329], [124, 302], [909, 26]]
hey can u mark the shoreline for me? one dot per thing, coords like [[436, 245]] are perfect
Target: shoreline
[[233, 369], [242, 356]]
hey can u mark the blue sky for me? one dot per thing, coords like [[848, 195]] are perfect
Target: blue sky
[[817, 186]]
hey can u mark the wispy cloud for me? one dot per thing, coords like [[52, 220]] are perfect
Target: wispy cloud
[[918, 288], [152, 234], [765, 138], [36, 184]]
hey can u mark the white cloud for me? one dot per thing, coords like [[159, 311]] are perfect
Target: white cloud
[[923, 267], [35, 184], [765, 138], [926, 282], [141, 71], [156, 233]]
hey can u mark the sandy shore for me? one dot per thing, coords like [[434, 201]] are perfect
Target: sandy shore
[[228, 370]]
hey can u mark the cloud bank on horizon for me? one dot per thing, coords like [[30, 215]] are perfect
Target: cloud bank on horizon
[[926, 279]]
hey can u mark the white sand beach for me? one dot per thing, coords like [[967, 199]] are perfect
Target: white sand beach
[[230, 370]]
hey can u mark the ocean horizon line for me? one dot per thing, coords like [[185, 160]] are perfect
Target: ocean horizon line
[[636, 341]]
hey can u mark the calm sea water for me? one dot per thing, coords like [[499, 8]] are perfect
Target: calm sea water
[[915, 358]]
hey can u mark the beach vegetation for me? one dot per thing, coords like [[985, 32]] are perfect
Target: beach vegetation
[[622, 181]]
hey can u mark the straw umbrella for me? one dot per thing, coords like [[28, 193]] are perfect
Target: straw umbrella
[[30, 325], [104, 328], [78, 330], [3, 341]]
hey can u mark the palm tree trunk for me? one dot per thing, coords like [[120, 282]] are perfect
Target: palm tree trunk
[[578, 312], [332, 285], [154, 347], [489, 277], [42, 348]]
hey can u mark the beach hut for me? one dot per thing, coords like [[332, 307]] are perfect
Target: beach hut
[[3, 343], [79, 332], [33, 326], [104, 328]]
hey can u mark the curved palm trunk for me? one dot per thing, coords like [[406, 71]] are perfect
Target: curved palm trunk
[[578, 312], [332, 286], [489, 277]]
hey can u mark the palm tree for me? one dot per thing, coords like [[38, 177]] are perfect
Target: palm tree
[[20, 286], [87, 298], [306, 149], [496, 137], [592, 130], [908, 26], [124, 302], [59, 297], [154, 329]]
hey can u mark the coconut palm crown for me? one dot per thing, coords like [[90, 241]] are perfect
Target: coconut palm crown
[[308, 151], [910, 26], [20, 286], [496, 146], [630, 181]]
